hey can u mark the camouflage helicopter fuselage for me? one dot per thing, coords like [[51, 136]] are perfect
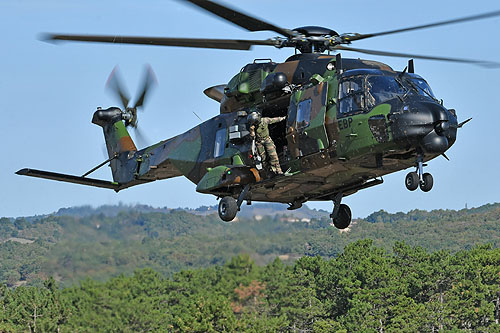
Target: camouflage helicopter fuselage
[[338, 137]]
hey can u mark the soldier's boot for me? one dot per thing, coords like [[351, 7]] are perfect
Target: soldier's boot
[[277, 169]]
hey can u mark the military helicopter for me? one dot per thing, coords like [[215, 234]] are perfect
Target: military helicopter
[[348, 122]]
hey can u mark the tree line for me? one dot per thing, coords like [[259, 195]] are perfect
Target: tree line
[[365, 288]]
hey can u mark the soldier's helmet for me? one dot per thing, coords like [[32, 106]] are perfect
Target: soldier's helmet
[[253, 118]]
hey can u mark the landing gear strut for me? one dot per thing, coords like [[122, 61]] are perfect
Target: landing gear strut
[[341, 215], [418, 178]]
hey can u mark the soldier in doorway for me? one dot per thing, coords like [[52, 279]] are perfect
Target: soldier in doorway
[[259, 131]]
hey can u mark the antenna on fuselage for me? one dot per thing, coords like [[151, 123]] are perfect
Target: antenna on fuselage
[[411, 67], [338, 63], [197, 116]]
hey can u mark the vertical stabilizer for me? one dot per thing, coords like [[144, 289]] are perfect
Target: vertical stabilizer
[[118, 140]]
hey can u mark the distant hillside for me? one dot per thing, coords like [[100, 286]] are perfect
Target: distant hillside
[[107, 241], [256, 209], [108, 210], [437, 214]]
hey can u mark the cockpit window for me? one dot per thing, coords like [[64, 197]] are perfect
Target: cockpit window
[[382, 88], [351, 86], [423, 87], [351, 95]]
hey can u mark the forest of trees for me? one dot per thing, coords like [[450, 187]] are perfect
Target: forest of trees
[[363, 289], [175, 271]]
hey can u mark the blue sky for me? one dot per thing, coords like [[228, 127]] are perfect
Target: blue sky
[[49, 92]]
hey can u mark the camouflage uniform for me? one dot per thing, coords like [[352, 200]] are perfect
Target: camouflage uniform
[[265, 144]]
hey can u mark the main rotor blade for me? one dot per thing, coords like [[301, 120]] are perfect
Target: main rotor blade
[[425, 26], [115, 86], [243, 20], [483, 63], [148, 81], [229, 44]]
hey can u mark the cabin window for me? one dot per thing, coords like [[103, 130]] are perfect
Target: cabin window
[[304, 114], [351, 96], [220, 142]]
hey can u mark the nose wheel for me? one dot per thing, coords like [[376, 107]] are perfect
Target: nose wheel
[[411, 181], [426, 182], [418, 178], [341, 215]]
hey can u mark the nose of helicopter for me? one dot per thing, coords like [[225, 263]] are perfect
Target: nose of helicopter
[[425, 125]]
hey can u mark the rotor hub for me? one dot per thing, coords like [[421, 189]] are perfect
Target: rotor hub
[[316, 31]]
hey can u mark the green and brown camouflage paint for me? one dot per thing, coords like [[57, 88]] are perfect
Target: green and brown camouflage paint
[[324, 155]]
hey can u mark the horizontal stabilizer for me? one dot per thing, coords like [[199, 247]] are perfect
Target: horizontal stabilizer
[[69, 178]]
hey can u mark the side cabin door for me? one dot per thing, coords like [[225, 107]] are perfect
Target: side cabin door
[[306, 133], [361, 117]]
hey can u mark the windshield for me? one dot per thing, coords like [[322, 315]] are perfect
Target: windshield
[[423, 87], [382, 88], [361, 93]]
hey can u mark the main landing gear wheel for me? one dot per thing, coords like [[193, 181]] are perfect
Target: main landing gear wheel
[[411, 181], [341, 215], [343, 219], [427, 182], [228, 208]]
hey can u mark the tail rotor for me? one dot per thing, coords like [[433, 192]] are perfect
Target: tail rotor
[[129, 111]]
